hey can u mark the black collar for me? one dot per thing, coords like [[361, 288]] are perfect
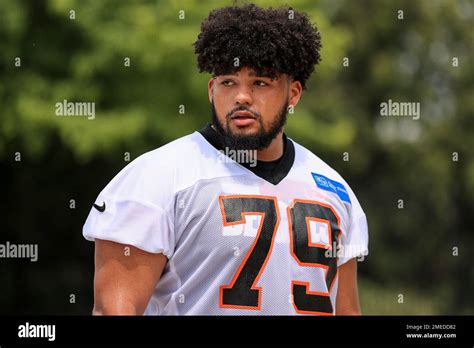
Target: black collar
[[271, 171]]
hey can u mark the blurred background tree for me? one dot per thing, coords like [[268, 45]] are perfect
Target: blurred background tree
[[136, 62]]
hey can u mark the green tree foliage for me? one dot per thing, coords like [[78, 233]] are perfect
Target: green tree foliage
[[135, 61]]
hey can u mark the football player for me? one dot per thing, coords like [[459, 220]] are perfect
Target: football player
[[236, 218]]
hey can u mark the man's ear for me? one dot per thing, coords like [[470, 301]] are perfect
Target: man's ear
[[294, 93], [210, 89]]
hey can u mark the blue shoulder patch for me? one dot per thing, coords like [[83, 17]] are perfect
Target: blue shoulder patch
[[333, 186]]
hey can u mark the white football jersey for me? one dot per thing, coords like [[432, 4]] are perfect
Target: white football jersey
[[240, 240]]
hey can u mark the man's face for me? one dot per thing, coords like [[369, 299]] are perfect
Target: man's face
[[249, 111]]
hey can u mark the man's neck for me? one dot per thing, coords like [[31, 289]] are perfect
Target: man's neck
[[274, 151]]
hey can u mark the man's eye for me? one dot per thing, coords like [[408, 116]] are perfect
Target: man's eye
[[261, 83], [227, 83]]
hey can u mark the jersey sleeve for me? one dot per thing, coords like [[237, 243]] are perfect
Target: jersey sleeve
[[355, 242], [139, 208]]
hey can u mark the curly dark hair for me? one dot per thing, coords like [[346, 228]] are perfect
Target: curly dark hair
[[270, 41]]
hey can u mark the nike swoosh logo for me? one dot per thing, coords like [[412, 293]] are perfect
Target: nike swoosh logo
[[100, 208]]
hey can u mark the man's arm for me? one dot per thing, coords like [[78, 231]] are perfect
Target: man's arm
[[347, 300], [124, 279]]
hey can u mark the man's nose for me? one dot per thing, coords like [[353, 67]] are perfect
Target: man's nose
[[244, 96]]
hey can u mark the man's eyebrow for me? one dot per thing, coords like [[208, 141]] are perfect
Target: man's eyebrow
[[253, 74]]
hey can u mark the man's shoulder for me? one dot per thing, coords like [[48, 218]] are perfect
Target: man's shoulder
[[324, 176], [179, 153], [160, 172], [174, 151], [176, 164], [307, 159]]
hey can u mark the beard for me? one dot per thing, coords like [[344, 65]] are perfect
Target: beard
[[259, 141]]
